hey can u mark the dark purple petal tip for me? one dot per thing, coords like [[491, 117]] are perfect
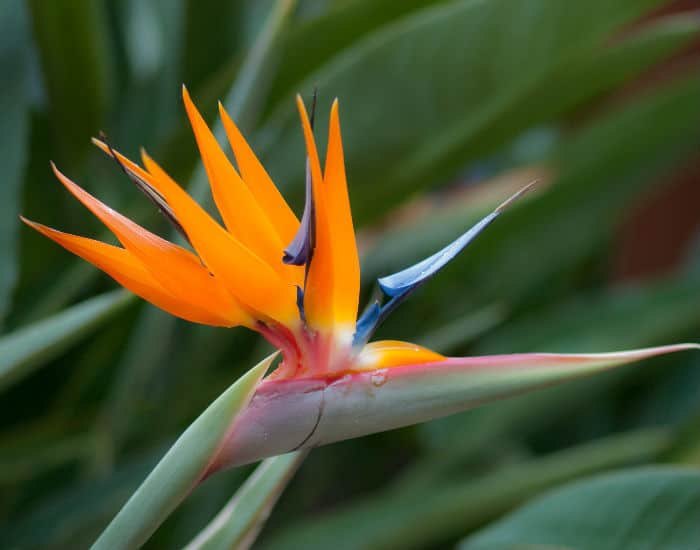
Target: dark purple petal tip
[[301, 249]]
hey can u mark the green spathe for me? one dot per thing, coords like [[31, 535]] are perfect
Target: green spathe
[[286, 415]]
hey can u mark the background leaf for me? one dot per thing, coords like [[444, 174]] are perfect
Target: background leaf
[[414, 517], [73, 48], [239, 522], [643, 508], [35, 345], [14, 137], [479, 43], [181, 468]]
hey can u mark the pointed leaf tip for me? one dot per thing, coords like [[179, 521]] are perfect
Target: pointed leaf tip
[[186, 463], [516, 196]]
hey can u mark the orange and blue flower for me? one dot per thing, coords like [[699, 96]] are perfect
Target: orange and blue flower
[[298, 284]]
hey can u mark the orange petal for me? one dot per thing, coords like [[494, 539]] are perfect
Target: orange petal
[[176, 269], [128, 271], [258, 181], [247, 276], [393, 353], [346, 263], [318, 293], [242, 214]]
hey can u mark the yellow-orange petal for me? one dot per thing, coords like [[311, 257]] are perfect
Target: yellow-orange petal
[[318, 293], [176, 269], [346, 262], [259, 182], [128, 271], [385, 354], [242, 214], [244, 274]]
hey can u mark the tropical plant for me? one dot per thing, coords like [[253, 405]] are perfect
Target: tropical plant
[[484, 95]]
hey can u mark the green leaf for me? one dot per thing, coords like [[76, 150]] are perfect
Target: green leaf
[[642, 509], [417, 517], [74, 515], [239, 522], [342, 27], [631, 315], [73, 47], [33, 452], [245, 100], [472, 64], [14, 137], [32, 346], [213, 29], [181, 468]]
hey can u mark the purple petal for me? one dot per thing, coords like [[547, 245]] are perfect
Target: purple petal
[[301, 249]]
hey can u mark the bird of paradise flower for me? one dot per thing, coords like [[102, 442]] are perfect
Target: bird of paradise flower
[[297, 283]]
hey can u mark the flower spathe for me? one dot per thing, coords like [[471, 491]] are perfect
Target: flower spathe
[[298, 284]]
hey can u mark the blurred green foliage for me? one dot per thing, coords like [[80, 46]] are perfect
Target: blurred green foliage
[[445, 106]]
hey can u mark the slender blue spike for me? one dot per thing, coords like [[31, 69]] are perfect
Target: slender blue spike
[[300, 304], [409, 279], [400, 285]]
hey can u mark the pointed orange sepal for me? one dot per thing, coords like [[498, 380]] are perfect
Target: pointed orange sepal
[[244, 274], [346, 262], [128, 271], [242, 214], [259, 182], [177, 270], [318, 295]]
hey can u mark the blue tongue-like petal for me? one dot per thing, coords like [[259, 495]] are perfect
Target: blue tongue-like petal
[[400, 285], [407, 280]]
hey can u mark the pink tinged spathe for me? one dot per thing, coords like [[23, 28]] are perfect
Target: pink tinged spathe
[[291, 414]]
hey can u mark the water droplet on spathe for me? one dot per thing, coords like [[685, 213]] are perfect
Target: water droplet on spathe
[[378, 378]]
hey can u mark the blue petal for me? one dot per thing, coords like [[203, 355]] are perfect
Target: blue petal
[[409, 279], [402, 284], [300, 304]]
